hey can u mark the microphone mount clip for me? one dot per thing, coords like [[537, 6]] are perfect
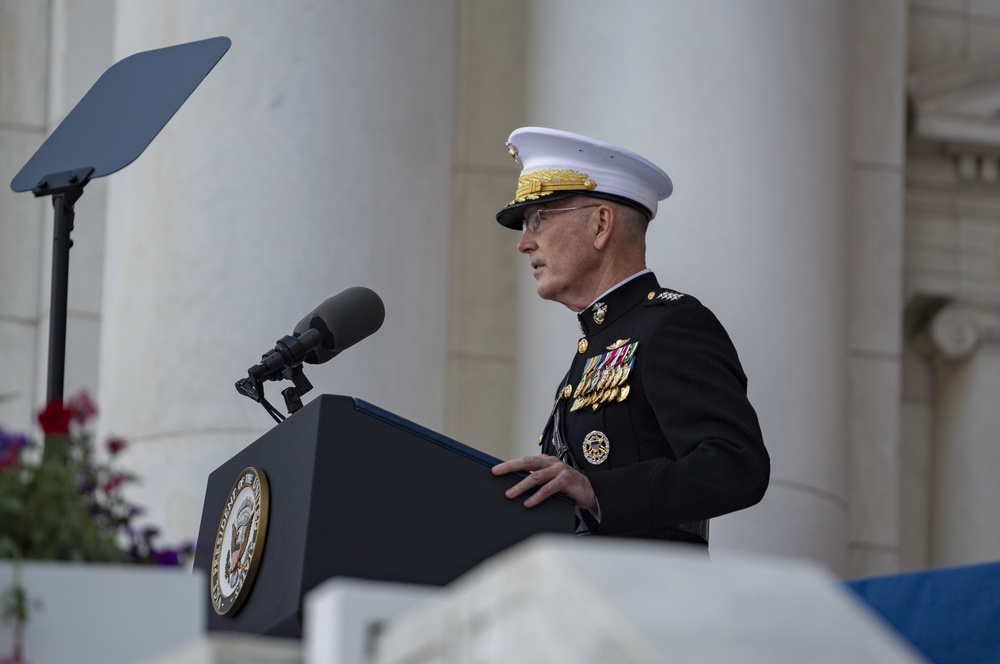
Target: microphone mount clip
[[282, 363]]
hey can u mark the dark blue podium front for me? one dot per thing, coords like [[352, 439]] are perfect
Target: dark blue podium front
[[357, 491]]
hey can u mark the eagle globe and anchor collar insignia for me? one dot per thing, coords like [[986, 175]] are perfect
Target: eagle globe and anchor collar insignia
[[239, 542], [600, 310]]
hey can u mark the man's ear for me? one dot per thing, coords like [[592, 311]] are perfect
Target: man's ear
[[604, 224]]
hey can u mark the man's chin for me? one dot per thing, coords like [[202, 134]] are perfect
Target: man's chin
[[553, 295], [544, 291]]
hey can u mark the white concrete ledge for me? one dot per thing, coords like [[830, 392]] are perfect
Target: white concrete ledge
[[555, 599]]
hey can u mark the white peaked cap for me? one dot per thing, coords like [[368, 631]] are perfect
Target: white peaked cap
[[558, 164]]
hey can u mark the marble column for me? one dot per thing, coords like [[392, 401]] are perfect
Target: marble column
[[24, 50], [876, 286], [746, 106], [964, 521], [314, 157]]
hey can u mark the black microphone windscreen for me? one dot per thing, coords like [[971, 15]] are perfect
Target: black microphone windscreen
[[343, 320]]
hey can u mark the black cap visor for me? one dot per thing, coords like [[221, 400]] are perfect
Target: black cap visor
[[512, 216]]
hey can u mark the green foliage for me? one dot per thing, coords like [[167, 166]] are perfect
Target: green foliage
[[57, 509], [60, 502]]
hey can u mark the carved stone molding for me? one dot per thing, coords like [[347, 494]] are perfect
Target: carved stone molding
[[959, 106], [956, 331]]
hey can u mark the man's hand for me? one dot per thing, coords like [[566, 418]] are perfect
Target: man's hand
[[551, 476]]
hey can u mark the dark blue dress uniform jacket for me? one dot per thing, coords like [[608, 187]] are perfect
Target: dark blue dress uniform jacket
[[684, 445]]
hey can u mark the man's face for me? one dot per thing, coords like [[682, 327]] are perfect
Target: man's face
[[562, 253]]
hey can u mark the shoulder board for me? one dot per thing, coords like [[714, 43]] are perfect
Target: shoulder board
[[663, 296]]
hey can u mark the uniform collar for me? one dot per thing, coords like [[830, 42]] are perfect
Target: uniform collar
[[616, 302]]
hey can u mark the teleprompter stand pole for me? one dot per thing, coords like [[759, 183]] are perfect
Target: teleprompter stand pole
[[65, 189]]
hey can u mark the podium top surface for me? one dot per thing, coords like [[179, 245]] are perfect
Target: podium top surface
[[123, 112], [425, 433]]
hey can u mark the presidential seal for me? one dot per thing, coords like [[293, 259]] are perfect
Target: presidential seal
[[239, 542]]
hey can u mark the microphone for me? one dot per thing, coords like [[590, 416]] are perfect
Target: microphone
[[334, 326], [342, 320]]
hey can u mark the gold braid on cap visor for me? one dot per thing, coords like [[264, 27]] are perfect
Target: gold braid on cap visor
[[535, 184]]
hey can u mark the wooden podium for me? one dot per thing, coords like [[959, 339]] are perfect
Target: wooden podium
[[354, 490]]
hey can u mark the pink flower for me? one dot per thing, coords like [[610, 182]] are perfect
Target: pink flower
[[82, 407], [8, 456], [116, 445], [114, 482], [55, 418]]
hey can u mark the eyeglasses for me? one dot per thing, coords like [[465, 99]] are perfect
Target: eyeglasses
[[534, 220]]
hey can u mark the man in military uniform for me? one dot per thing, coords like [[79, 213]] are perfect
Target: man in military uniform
[[651, 432]]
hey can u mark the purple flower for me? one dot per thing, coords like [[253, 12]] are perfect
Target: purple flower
[[10, 439], [166, 557]]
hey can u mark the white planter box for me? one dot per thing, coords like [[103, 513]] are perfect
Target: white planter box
[[105, 614]]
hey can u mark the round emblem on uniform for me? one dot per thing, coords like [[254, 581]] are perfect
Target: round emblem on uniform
[[596, 447], [239, 542], [582, 346], [651, 295]]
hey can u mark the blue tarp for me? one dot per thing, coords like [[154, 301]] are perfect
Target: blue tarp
[[952, 615]]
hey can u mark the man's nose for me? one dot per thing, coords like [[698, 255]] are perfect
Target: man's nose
[[526, 243]]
